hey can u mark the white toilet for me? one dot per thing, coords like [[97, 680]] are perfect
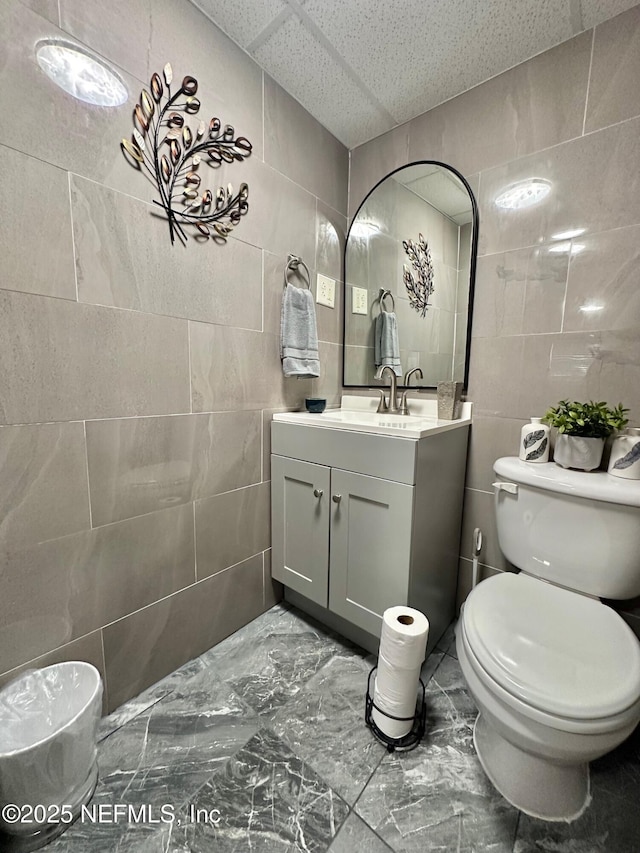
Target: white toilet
[[555, 673]]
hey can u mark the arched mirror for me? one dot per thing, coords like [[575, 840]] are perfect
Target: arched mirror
[[410, 261]]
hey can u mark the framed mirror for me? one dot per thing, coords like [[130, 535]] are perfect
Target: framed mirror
[[410, 254]]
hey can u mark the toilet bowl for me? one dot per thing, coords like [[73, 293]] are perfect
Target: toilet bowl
[[555, 673]]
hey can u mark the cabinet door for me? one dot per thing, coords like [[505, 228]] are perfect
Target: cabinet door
[[370, 547], [300, 526]]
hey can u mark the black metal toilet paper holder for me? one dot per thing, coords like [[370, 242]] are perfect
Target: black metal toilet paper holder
[[410, 740]]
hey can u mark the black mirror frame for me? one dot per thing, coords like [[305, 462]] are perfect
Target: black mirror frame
[[472, 267]]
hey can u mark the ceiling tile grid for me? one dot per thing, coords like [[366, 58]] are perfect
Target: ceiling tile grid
[[361, 67], [304, 68]]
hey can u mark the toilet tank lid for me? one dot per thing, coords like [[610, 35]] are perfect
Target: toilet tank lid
[[596, 485]]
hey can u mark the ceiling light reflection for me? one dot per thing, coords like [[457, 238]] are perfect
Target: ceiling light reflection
[[81, 74], [591, 308], [568, 235], [567, 248], [524, 194]]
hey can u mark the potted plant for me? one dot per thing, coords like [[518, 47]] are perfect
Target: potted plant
[[582, 430]]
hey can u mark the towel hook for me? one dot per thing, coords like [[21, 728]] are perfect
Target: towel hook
[[383, 294], [293, 262]]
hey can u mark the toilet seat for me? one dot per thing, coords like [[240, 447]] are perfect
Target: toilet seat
[[543, 645]]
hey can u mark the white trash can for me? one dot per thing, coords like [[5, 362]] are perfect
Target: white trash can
[[48, 769]]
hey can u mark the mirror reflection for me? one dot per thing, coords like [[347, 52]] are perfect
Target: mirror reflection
[[409, 269]]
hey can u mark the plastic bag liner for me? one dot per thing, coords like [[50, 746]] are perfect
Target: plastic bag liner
[[48, 726]]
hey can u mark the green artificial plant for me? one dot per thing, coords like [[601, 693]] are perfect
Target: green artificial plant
[[589, 420]]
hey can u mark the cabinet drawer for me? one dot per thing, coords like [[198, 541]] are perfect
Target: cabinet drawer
[[384, 456]]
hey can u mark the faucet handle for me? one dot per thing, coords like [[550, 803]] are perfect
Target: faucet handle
[[383, 406]]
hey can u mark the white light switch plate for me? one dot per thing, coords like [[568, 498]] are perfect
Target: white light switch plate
[[359, 300], [325, 291]]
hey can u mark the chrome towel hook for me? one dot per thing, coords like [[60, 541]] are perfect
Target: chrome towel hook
[[293, 262]]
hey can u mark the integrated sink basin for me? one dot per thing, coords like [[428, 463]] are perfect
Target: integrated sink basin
[[358, 414]]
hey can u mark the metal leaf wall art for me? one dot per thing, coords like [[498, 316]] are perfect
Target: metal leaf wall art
[[173, 154], [421, 287]]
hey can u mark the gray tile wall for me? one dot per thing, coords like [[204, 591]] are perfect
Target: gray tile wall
[[570, 115], [139, 379]]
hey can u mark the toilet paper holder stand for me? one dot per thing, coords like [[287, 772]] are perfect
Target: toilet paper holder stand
[[410, 740]]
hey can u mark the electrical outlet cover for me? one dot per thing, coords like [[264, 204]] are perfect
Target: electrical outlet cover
[[359, 300], [325, 291]]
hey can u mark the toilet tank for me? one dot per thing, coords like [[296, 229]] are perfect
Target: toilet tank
[[574, 528]]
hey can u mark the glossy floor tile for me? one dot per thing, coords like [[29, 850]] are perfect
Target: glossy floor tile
[[259, 746]]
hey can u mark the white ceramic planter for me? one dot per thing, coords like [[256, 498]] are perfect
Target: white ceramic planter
[[575, 451]]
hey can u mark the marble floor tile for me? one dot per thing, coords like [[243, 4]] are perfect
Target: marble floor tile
[[324, 724], [143, 701], [437, 797], [267, 800], [270, 664], [356, 836], [268, 729]]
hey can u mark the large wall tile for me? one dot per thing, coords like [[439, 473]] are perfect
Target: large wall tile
[[87, 648], [138, 465], [595, 186], [614, 93], [281, 216], [151, 643], [579, 366], [302, 149], [604, 279], [520, 292], [60, 590], [65, 361], [510, 115], [495, 375], [230, 82], [490, 439], [43, 470], [232, 527], [119, 30], [374, 160], [125, 258], [234, 369], [35, 228], [331, 228], [47, 8], [55, 127]]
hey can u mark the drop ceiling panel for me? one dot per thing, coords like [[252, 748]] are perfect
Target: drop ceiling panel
[[362, 66], [594, 12], [416, 54], [306, 70], [243, 22]]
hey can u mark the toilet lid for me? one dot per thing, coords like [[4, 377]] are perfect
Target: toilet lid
[[554, 649]]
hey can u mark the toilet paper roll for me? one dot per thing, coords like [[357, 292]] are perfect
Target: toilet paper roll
[[403, 639], [403, 643]]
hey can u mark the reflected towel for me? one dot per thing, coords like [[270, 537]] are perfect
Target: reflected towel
[[386, 346], [298, 333]]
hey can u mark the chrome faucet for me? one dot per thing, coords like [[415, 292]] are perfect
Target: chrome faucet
[[392, 406], [404, 406]]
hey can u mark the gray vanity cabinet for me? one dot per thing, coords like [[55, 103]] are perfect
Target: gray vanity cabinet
[[341, 539], [362, 522]]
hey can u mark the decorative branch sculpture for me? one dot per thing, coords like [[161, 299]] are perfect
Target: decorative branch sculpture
[[159, 126], [419, 289]]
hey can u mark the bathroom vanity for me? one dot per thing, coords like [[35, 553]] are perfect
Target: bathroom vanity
[[366, 511]]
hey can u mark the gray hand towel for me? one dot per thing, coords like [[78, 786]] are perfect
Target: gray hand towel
[[386, 346], [298, 333]]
